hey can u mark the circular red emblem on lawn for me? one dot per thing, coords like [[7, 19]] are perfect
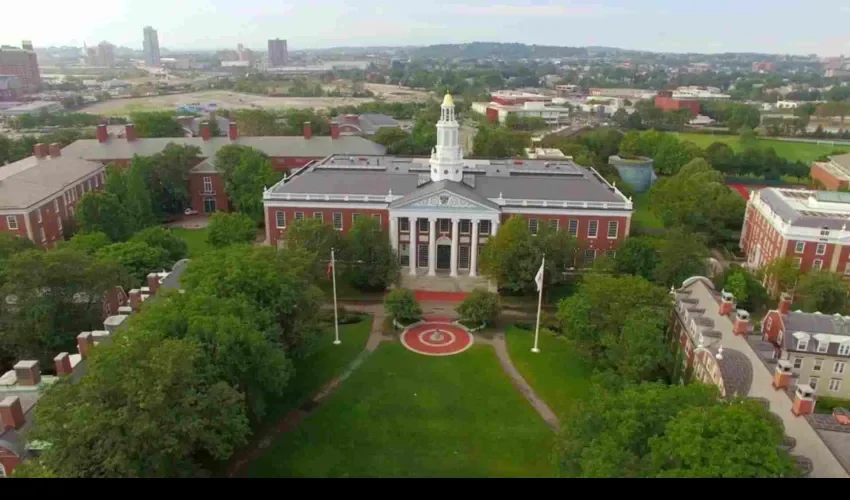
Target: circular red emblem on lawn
[[437, 339]]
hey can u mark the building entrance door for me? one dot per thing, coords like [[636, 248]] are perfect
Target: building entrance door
[[444, 257]]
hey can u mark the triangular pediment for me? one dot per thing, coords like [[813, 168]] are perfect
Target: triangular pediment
[[439, 196]]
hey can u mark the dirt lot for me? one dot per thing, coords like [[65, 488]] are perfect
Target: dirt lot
[[234, 100]]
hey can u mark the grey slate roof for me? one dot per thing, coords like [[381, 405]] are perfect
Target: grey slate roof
[[737, 371], [776, 200], [370, 123], [172, 281], [843, 161], [814, 324], [31, 180], [288, 146]]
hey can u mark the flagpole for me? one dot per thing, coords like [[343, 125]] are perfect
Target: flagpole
[[336, 315], [539, 304]]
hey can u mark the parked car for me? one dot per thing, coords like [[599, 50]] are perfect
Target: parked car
[[842, 415], [190, 211]]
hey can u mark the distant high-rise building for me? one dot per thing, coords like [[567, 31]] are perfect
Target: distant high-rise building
[[22, 63], [151, 47], [106, 54], [277, 53]]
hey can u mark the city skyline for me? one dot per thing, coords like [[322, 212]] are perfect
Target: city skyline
[[656, 25]]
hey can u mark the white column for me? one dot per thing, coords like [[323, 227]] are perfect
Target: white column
[[432, 246], [394, 233], [473, 250], [494, 227], [414, 243], [455, 235]]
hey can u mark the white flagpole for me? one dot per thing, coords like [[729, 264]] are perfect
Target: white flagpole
[[336, 315], [539, 303]]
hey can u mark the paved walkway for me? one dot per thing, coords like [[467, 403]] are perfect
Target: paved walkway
[[501, 348]]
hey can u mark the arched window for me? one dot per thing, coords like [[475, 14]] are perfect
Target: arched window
[[2, 471]]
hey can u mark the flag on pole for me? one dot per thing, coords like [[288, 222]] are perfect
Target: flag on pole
[[330, 268], [539, 278]]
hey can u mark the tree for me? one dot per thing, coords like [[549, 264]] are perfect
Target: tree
[[369, 261], [390, 137], [169, 178], [137, 257], [175, 248], [673, 154], [493, 141], [680, 255], [637, 256], [822, 291], [147, 407], [246, 172], [480, 307], [156, 124], [88, 243], [137, 202], [317, 238], [781, 274], [752, 296], [100, 211], [746, 135], [401, 305], [736, 284], [256, 122], [697, 442], [228, 229], [9, 246], [509, 258], [720, 156]]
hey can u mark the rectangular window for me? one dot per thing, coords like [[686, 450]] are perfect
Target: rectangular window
[[610, 253], [12, 221], [465, 226], [484, 229], [553, 224], [798, 362], [463, 257], [798, 262], [824, 232], [56, 205], [532, 226], [354, 218], [444, 225], [377, 217], [299, 216], [813, 383], [800, 247], [818, 365], [589, 256], [847, 269], [38, 214], [802, 344], [338, 221], [593, 229], [281, 218], [573, 227], [319, 216], [613, 229], [821, 249], [834, 385], [404, 225], [844, 349], [423, 225], [422, 255], [209, 205], [404, 254], [208, 185], [823, 346], [59, 222], [838, 367], [817, 264]]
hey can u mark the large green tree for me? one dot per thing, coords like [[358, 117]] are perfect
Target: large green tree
[[175, 248], [499, 142], [256, 122], [246, 172], [680, 256], [637, 256], [822, 291], [228, 229], [137, 257], [101, 211], [317, 238], [369, 262], [156, 124]]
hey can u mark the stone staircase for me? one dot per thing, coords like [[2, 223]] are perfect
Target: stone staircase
[[445, 283]]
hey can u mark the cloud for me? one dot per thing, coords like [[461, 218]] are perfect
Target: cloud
[[526, 11]]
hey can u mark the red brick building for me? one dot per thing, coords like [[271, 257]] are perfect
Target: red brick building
[[441, 210], [38, 194], [809, 226], [833, 174], [665, 101], [23, 64]]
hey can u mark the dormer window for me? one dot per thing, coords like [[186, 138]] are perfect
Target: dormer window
[[802, 344], [823, 346]]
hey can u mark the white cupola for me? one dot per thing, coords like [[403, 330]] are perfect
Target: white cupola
[[447, 156]]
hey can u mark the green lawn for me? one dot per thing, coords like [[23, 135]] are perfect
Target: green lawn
[[402, 414], [803, 151], [196, 240], [556, 373], [643, 216], [326, 363]]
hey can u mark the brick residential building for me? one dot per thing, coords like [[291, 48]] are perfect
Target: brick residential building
[[667, 102], [809, 226], [22, 63], [833, 174], [441, 210], [38, 193]]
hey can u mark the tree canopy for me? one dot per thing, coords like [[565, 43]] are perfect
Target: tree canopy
[[246, 172], [156, 124], [230, 228], [369, 262], [822, 291]]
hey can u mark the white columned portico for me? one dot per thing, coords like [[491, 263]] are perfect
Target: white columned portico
[[473, 257], [394, 233], [455, 236], [494, 227], [414, 243], [432, 246]]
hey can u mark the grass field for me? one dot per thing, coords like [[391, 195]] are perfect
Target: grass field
[[406, 415], [196, 240], [556, 373], [805, 152]]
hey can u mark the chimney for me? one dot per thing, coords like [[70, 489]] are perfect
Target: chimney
[[39, 150], [63, 364], [804, 400], [785, 301], [135, 299], [27, 372], [232, 131], [11, 413], [782, 374], [102, 133], [727, 303], [742, 323], [308, 130], [130, 132], [153, 283], [205, 130], [85, 341], [334, 130], [55, 150]]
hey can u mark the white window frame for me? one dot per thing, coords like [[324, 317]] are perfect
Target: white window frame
[[422, 225], [354, 217], [800, 247], [820, 249], [822, 347], [838, 367], [280, 219], [404, 225], [610, 253], [798, 262], [208, 185], [377, 217], [56, 205], [319, 216], [593, 228], [817, 264], [299, 216], [555, 224], [844, 349], [616, 226], [38, 214], [465, 226], [587, 253], [813, 382], [59, 222], [337, 217], [572, 227], [533, 225], [818, 365], [12, 222], [802, 344], [798, 362], [834, 385], [486, 232], [445, 226], [847, 269]]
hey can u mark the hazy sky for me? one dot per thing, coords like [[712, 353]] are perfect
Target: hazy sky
[[790, 26]]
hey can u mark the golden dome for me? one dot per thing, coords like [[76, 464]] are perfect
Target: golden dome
[[448, 101]]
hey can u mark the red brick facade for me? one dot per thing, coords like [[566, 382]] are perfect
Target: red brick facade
[[277, 233], [206, 191], [8, 460], [671, 104], [819, 173]]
